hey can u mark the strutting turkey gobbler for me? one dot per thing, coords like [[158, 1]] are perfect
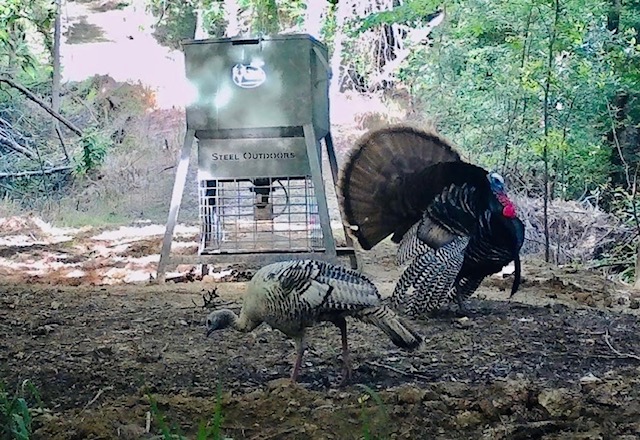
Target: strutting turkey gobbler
[[293, 295], [453, 220]]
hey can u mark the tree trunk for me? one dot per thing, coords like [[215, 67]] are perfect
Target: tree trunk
[[313, 19], [545, 110], [55, 85], [637, 282], [613, 17], [342, 11], [231, 12], [55, 55], [265, 18], [201, 32]]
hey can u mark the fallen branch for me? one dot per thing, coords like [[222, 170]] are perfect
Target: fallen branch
[[97, 396], [62, 144], [36, 173], [397, 370], [278, 434], [607, 339], [29, 94], [12, 144], [611, 264], [7, 138], [188, 277]]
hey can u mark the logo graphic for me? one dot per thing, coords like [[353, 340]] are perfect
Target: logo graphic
[[248, 76]]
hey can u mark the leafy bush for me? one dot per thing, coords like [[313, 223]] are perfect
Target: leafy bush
[[94, 147]]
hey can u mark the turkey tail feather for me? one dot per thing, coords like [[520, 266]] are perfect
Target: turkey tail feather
[[432, 276], [392, 325], [372, 181], [516, 274]]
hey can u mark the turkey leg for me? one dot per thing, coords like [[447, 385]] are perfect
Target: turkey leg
[[298, 361], [346, 369]]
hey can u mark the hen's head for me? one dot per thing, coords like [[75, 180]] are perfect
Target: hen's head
[[218, 320]]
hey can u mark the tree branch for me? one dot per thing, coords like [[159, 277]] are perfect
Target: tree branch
[[11, 143], [41, 103], [36, 173]]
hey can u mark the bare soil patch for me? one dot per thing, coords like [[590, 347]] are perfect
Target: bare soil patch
[[512, 370]]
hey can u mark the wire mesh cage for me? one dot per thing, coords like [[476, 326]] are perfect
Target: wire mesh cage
[[259, 215]]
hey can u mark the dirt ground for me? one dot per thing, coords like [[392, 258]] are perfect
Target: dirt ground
[[558, 361], [80, 319]]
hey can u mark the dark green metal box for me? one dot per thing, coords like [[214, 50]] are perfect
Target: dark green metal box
[[245, 84]]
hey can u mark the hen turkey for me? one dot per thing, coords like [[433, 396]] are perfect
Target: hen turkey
[[453, 220], [293, 295]]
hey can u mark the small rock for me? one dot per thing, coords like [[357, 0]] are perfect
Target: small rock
[[183, 323], [435, 405], [254, 395], [488, 408], [130, 431], [463, 322], [583, 297], [282, 382], [605, 394], [55, 305], [453, 389], [45, 329], [559, 402], [468, 419], [410, 395], [294, 403], [589, 379], [321, 402], [507, 394], [634, 304]]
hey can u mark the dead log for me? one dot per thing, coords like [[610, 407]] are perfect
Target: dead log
[[26, 92], [36, 173]]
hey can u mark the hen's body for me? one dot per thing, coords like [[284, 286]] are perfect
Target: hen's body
[[294, 295]]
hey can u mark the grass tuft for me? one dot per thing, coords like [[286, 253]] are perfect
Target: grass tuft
[[207, 430], [15, 415]]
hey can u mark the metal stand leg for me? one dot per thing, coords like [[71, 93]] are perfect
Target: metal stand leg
[[333, 164], [176, 200], [313, 153]]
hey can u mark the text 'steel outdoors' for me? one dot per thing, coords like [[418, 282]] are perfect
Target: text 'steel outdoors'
[[247, 155]]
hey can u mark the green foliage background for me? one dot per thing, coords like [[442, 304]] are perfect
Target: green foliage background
[[510, 81]]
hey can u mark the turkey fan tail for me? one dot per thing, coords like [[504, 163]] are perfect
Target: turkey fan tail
[[371, 183], [392, 325]]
